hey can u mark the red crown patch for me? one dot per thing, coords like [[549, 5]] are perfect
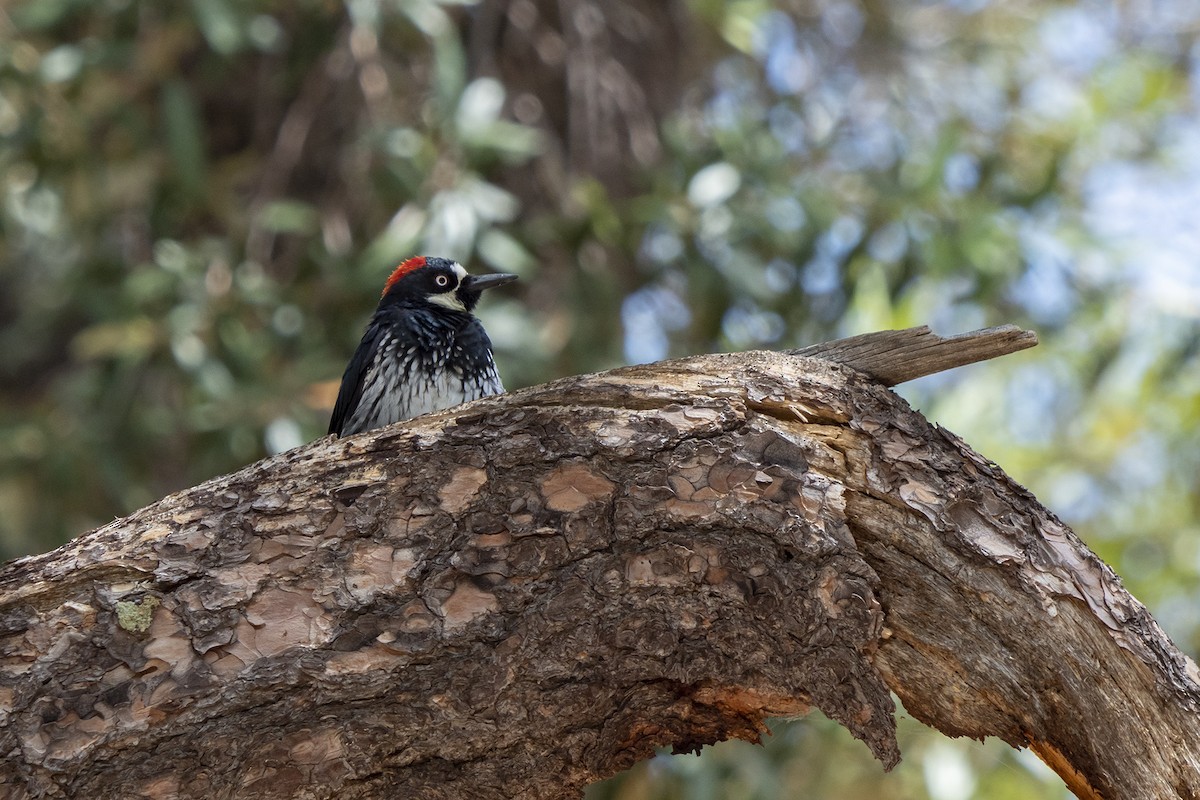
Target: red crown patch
[[414, 263]]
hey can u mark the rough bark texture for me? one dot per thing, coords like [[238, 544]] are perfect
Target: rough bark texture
[[526, 594]]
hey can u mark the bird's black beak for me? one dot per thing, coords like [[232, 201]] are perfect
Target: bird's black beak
[[477, 283]]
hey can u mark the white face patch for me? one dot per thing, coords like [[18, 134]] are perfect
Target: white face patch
[[449, 299]]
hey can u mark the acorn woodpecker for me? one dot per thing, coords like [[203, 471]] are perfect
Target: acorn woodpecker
[[423, 350]]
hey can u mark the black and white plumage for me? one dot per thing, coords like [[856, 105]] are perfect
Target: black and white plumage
[[423, 350]]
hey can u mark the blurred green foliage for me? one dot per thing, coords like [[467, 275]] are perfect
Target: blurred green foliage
[[201, 200]]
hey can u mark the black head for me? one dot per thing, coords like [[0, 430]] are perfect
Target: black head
[[440, 281]]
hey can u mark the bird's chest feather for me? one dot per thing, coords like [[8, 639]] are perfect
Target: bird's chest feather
[[426, 370]]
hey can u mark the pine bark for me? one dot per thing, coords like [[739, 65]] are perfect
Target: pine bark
[[523, 595]]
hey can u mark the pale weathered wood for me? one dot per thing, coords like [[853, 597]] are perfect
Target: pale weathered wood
[[526, 594], [893, 357]]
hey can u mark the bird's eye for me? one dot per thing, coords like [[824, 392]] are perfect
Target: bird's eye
[[442, 281]]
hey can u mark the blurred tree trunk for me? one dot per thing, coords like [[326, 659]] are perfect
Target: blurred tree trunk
[[599, 80], [524, 595]]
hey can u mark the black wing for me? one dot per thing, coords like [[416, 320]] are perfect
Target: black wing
[[475, 346], [353, 378]]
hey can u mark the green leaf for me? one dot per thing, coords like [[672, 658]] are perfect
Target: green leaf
[[220, 24], [185, 138], [503, 253], [288, 216], [394, 244]]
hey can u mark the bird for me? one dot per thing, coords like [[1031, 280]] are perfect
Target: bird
[[424, 350]]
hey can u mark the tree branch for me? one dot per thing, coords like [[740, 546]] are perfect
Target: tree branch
[[526, 594], [893, 357]]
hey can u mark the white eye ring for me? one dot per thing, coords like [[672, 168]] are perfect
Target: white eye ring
[[442, 280]]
